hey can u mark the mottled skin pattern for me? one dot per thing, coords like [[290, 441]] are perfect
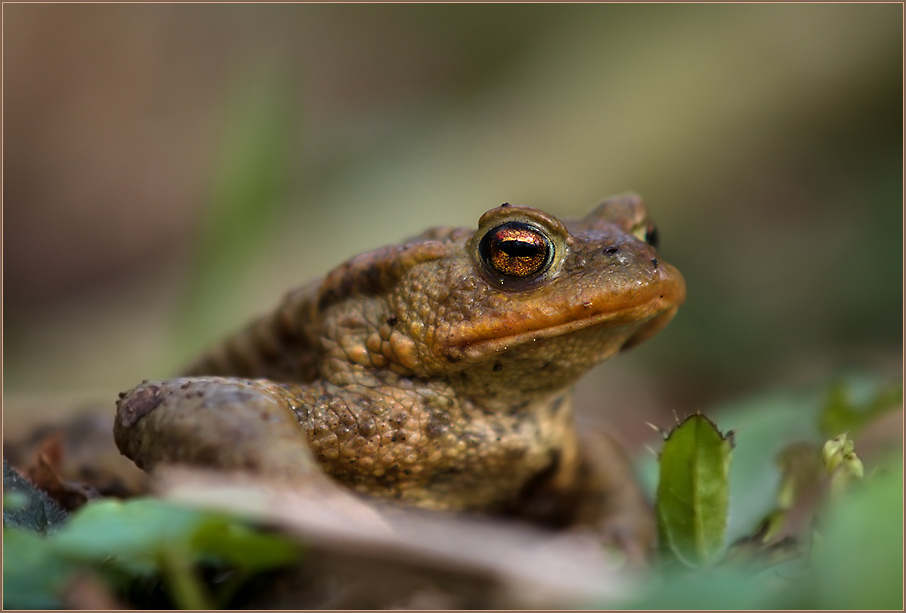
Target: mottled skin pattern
[[436, 372]]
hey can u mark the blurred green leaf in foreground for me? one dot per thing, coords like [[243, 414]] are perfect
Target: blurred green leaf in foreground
[[249, 193], [142, 538]]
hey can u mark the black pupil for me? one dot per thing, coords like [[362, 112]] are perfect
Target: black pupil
[[519, 249]]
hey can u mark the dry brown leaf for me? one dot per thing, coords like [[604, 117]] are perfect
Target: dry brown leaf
[[510, 565], [80, 451], [69, 494]]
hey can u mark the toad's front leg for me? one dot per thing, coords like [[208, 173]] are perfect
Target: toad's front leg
[[216, 422], [611, 498]]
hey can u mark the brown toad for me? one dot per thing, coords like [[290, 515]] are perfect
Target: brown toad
[[436, 372]]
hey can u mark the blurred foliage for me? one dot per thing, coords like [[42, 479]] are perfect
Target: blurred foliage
[[859, 561], [768, 423], [856, 564], [851, 406], [248, 197], [811, 551], [142, 539]]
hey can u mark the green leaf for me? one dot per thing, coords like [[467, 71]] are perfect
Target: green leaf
[[143, 529], [33, 574], [186, 587], [858, 563], [145, 537], [243, 547], [717, 589], [137, 530], [693, 492]]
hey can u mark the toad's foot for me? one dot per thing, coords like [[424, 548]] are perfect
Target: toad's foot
[[221, 422]]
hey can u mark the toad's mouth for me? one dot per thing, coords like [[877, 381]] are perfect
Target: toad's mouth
[[636, 316]]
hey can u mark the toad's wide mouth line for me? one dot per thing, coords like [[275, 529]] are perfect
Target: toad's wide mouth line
[[623, 316], [648, 308]]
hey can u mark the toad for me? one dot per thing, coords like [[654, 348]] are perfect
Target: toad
[[436, 373]]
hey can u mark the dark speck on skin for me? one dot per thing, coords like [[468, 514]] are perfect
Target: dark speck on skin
[[435, 429]]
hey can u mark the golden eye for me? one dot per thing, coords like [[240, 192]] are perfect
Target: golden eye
[[516, 249]]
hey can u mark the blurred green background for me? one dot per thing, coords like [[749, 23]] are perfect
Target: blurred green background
[[171, 170]]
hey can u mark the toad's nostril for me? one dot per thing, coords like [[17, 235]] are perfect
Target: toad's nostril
[[611, 250]]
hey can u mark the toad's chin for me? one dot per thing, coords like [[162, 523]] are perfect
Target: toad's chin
[[649, 329]]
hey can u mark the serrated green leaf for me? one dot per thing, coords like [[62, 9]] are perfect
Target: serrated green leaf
[[693, 492]]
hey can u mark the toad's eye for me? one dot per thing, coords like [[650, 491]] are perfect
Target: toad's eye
[[517, 250]]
